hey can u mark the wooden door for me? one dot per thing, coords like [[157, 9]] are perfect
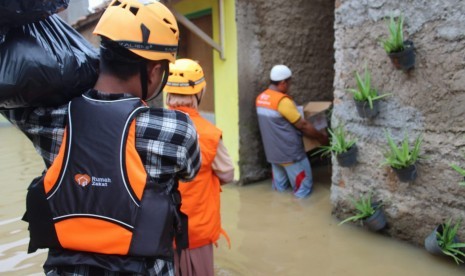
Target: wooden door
[[191, 46]]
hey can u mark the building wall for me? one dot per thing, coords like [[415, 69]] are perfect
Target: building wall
[[226, 82], [225, 72], [427, 100], [270, 32]]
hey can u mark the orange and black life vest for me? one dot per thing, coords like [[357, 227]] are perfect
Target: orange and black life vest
[[201, 196], [97, 196]]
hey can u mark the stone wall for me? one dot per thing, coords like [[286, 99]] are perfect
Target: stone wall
[[428, 100], [270, 32]]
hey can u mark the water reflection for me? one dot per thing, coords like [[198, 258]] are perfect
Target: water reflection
[[19, 163], [275, 234], [271, 233]]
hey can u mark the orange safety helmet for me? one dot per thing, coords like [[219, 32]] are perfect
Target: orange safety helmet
[[186, 77], [146, 28]]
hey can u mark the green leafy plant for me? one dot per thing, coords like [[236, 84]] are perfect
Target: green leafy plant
[[364, 207], [339, 143], [364, 91], [448, 242], [395, 41], [402, 156]]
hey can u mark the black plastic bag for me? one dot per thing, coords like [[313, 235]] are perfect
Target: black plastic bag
[[20, 12], [45, 63]]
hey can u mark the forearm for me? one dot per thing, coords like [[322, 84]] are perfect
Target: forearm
[[222, 164], [192, 162], [225, 177], [308, 130]]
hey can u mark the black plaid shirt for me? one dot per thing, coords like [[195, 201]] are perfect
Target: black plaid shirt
[[166, 141]]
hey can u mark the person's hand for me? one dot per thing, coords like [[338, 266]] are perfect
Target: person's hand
[[323, 139]]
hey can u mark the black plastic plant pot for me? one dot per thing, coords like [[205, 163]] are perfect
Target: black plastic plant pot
[[377, 221], [404, 60], [348, 158], [364, 110], [406, 174], [431, 242]]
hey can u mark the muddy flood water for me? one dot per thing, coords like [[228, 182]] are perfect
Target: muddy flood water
[[271, 233]]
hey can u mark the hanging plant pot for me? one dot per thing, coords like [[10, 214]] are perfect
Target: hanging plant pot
[[406, 174], [432, 244], [443, 241], [404, 60], [377, 221], [364, 110], [348, 158]]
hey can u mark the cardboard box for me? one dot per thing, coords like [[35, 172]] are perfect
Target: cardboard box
[[315, 113]]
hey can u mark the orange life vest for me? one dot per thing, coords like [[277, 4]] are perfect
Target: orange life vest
[[97, 197], [282, 141], [201, 196]]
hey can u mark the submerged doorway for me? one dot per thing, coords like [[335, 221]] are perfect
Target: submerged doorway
[[191, 46]]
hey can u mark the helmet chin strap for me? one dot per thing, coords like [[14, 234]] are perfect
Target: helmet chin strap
[[199, 99], [199, 95]]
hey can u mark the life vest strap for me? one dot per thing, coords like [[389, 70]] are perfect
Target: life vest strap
[[223, 232]]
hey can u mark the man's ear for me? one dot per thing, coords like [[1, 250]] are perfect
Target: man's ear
[[154, 72]]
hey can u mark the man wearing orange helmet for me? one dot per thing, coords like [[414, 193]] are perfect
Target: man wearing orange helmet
[[108, 201], [201, 196]]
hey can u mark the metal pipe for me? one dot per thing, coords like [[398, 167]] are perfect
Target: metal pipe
[[222, 32]]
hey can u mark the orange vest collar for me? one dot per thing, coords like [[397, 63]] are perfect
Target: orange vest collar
[[189, 110]]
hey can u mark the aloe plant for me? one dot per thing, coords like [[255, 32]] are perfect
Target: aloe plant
[[364, 91], [448, 243], [402, 156], [395, 41], [364, 207], [339, 143]]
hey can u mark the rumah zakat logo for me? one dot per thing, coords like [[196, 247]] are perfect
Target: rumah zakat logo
[[264, 97], [82, 179]]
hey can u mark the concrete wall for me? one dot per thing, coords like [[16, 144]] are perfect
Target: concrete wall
[[299, 34], [428, 100]]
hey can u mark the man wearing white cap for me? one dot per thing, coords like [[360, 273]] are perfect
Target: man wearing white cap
[[282, 126]]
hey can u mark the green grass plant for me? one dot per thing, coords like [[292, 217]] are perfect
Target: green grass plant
[[339, 142], [402, 155], [364, 92], [395, 41], [364, 208], [448, 243]]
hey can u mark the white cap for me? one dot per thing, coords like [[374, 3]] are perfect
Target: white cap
[[280, 72]]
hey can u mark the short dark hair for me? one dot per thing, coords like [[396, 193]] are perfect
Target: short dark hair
[[117, 60]]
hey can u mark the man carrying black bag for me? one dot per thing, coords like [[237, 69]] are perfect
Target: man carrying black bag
[[108, 202]]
